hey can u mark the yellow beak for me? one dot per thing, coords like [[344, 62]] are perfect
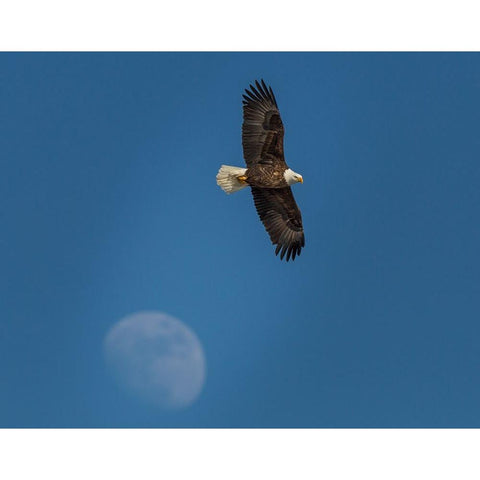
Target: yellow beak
[[300, 179]]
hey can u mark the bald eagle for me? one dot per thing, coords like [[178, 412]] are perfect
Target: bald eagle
[[267, 173]]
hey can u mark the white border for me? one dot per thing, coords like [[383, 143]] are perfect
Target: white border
[[214, 25], [240, 454]]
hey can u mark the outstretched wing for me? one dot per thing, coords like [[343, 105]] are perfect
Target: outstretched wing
[[262, 129], [281, 216]]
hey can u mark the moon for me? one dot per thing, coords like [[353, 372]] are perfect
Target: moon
[[157, 358]]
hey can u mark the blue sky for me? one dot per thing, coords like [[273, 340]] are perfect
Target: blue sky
[[109, 206]]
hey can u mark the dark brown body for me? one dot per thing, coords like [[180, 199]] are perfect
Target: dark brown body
[[262, 140], [266, 176]]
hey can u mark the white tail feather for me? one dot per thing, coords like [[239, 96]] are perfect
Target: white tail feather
[[227, 178]]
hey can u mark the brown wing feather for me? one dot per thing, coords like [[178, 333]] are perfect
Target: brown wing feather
[[262, 129], [281, 216]]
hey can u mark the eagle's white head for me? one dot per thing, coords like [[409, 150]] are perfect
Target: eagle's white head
[[292, 177]]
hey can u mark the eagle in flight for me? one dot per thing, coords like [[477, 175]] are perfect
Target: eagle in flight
[[267, 173]]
